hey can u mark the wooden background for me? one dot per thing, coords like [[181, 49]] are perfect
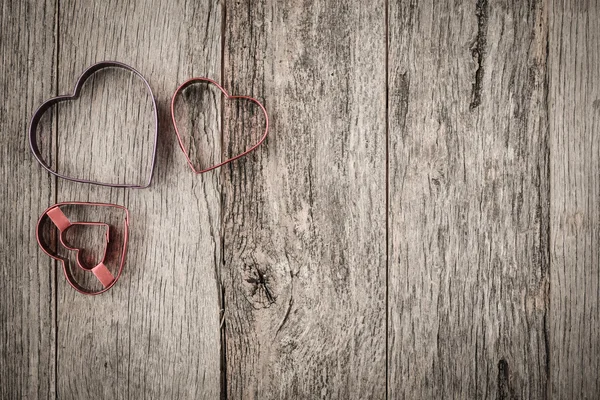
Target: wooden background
[[422, 222]]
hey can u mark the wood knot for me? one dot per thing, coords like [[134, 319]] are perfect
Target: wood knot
[[259, 286]]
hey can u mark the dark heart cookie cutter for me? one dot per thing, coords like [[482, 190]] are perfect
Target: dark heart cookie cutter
[[33, 126]]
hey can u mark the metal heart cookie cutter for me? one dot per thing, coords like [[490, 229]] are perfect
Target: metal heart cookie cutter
[[33, 126], [63, 224], [228, 97]]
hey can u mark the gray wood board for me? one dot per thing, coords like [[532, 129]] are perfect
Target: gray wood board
[[468, 200], [304, 216], [156, 333], [27, 295], [574, 104]]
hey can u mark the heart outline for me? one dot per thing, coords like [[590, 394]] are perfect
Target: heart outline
[[41, 110], [70, 279], [77, 250], [228, 97]]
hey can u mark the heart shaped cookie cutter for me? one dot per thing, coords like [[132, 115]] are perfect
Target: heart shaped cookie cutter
[[193, 81], [37, 116], [62, 223]]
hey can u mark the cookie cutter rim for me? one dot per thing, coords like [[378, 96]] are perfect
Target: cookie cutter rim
[[68, 276], [37, 116], [228, 97]]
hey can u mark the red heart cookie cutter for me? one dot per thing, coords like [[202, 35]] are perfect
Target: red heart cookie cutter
[[63, 224], [227, 97]]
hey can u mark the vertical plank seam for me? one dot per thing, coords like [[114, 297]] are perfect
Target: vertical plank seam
[[387, 198], [55, 189], [220, 286], [548, 238]]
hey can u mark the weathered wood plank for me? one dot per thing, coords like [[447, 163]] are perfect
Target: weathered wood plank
[[574, 104], [483, 300], [304, 216], [27, 296], [156, 334], [468, 200]]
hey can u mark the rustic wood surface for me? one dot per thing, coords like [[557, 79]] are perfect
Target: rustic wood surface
[[304, 219], [468, 211], [157, 333], [422, 222], [574, 119], [27, 295]]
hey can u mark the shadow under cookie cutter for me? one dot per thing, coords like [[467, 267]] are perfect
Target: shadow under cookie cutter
[[33, 126], [62, 223], [228, 97]]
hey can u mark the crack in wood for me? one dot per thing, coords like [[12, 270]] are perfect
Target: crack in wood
[[290, 303], [478, 50], [286, 316], [503, 380], [223, 347]]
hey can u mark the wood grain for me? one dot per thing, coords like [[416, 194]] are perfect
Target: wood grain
[[27, 295], [574, 104], [468, 200], [304, 216], [422, 221], [156, 334]]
